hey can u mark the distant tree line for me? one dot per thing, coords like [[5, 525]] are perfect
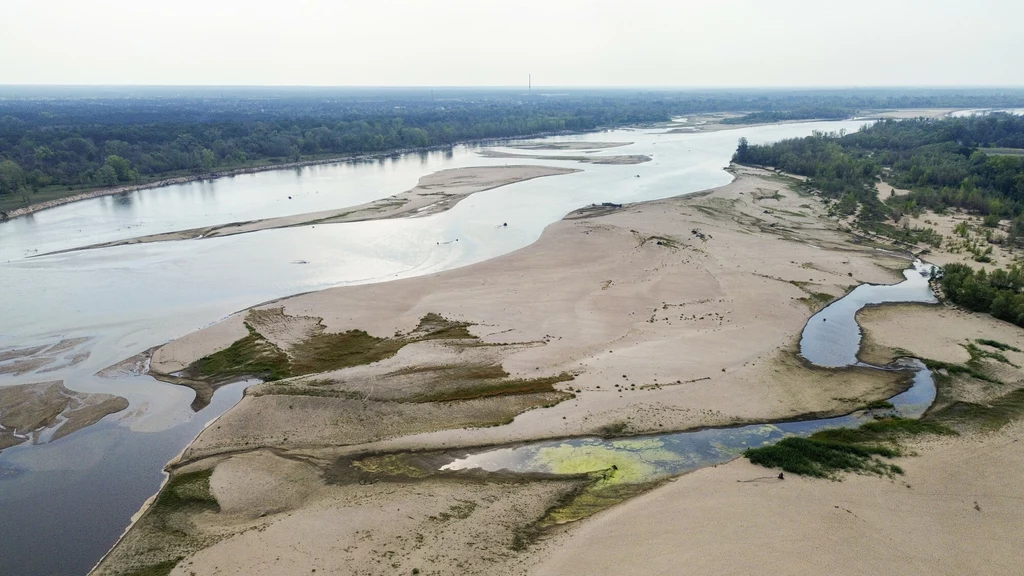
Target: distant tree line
[[67, 138]]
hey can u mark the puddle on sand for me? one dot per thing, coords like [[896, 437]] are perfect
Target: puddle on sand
[[644, 459]]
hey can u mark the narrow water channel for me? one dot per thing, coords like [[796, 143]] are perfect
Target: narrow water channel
[[830, 339]]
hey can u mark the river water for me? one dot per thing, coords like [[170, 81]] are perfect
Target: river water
[[64, 503]]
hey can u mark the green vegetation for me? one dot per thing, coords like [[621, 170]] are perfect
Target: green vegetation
[[879, 405], [191, 490], [320, 351], [496, 386], [160, 569], [951, 368], [827, 453], [250, 356], [939, 161], [996, 344], [991, 416], [57, 141], [997, 292]]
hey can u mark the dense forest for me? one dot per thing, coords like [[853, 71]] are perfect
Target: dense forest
[[58, 139], [971, 163]]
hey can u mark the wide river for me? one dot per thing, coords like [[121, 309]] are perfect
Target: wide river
[[64, 503]]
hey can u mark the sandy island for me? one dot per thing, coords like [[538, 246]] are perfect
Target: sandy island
[[433, 193], [48, 411], [665, 315]]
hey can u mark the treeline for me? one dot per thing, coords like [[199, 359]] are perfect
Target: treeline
[[802, 113], [942, 162], [58, 138], [997, 292]]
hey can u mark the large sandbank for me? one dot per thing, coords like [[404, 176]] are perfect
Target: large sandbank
[[670, 315]]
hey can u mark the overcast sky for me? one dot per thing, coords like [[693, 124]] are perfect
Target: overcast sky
[[694, 43]]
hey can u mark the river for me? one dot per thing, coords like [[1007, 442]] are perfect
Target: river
[[64, 503]]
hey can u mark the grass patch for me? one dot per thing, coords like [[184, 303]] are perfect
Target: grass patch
[[996, 344], [822, 459], [827, 453], [991, 416], [879, 405], [817, 300], [250, 356], [497, 387], [977, 355], [959, 369], [162, 569], [332, 351], [617, 428], [191, 490], [321, 351]]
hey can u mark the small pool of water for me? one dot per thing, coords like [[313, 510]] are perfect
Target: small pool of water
[[831, 338]]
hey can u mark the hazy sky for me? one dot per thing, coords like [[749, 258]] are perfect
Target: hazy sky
[[492, 42]]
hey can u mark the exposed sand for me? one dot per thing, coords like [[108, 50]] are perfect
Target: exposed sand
[[690, 299], [886, 190], [962, 513], [569, 145], [434, 193], [624, 159], [48, 411], [717, 311]]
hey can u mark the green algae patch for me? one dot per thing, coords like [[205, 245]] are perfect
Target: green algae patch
[[589, 501], [616, 466]]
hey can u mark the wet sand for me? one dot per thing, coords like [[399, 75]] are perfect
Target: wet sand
[[48, 411]]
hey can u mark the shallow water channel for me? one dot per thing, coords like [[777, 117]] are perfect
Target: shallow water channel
[[830, 339]]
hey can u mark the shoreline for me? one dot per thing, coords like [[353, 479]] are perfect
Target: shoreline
[[213, 175], [434, 193]]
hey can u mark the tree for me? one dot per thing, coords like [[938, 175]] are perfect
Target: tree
[[123, 168], [743, 150], [12, 177]]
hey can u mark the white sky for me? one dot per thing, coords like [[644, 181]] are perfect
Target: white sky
[[497, 43]]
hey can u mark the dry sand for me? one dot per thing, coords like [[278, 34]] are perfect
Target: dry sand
[[958, 510], [434, 193], [650, 301], [697, 301]]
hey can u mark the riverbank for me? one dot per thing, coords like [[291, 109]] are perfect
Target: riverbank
[[97, 193], [433, 194], [665, 315]]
